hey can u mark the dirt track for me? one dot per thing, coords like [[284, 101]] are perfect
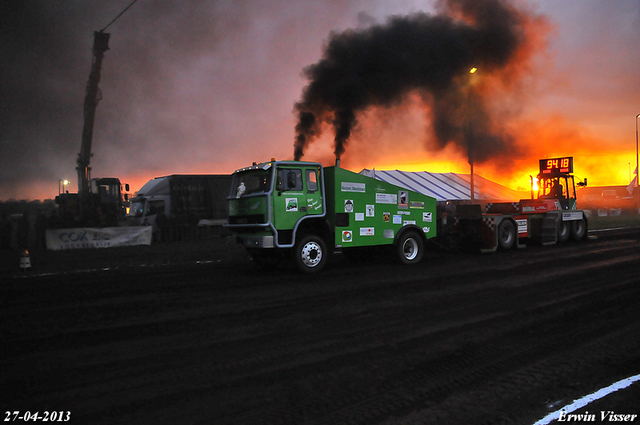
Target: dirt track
[[458, 339]]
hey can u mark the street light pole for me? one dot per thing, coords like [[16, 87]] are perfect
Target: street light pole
[[61, 185], [637, 162], [470, 141]]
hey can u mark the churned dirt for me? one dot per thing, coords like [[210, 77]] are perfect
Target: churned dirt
[[503, 338]]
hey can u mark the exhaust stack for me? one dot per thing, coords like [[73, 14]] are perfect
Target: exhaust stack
[[337, 162]]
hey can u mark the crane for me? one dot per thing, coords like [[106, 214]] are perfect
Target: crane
[[99, 197], [100, 45]]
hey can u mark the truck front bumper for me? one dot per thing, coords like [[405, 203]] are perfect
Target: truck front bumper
[[257, 241]]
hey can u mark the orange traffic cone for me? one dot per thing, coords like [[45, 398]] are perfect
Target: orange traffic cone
[[25, 261]]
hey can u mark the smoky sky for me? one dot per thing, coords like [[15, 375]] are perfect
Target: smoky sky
[[208, 86], [431, 54], [46, 51]]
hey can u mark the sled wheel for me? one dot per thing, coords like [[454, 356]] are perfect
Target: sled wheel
[[506, 235]]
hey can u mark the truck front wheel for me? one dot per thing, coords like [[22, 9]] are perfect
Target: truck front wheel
[[410, 248], [310, 254]]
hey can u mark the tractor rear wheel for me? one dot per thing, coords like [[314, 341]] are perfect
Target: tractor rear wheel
[[578, 229], [564, 231]]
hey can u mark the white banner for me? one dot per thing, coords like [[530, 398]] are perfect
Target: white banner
[[90, 237]]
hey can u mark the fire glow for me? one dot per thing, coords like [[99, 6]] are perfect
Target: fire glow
[[469, 114]]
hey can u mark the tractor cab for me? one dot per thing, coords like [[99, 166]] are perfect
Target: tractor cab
[[556, 181]]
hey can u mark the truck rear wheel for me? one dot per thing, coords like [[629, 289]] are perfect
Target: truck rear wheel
[[310, 254], [564, 231], [578, 229], [410, 248], [506, 235]]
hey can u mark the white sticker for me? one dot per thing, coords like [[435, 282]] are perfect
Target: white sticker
[[370, 210], [291, 204], [367, 231], [353, 187], [386, 198], [569, 216], [426, 229], [406, 222], [404, 199], [427, 216], [522, 226], [397, 219], [359, 216], [347, 236], [348, 205]]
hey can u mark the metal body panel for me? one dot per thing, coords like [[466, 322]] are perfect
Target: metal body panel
[[367, 212]]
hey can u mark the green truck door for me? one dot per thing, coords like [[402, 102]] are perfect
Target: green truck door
[[297, 194]]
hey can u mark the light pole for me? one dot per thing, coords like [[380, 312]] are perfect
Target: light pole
[[637, 162], [61, 185], [470, 135]]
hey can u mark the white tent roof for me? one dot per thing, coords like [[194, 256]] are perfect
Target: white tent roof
[[446, 186]]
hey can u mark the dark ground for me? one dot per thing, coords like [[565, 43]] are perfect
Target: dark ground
[[458, 339]]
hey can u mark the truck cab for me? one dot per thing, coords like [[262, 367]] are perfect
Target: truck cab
[[152, 198], [562, 188], [268, 202]]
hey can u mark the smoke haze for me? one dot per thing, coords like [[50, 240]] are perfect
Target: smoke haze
[[431, 54], [208, 86]]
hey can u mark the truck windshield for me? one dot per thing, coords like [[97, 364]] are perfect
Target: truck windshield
[[249, 182], [136, 209]]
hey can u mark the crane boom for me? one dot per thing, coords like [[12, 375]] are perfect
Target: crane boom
[[100, 45]]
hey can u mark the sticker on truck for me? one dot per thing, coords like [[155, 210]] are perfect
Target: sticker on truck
[[353, 187], [386, 198], [572, 216], [291, 204], [523, 226], [370, 210], [348, 205]]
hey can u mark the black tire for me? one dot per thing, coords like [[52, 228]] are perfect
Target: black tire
[[310, 254], [410, 248], [506, 235], [564, 231], [578, 229]]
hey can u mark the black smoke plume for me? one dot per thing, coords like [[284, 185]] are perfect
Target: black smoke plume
[[428, 54]]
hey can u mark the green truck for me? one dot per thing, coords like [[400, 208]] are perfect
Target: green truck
[[308, 211]]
